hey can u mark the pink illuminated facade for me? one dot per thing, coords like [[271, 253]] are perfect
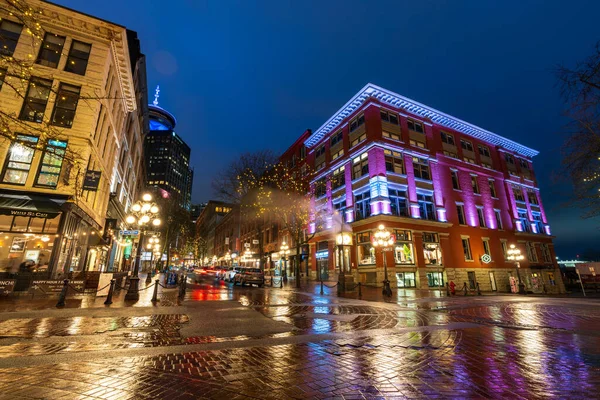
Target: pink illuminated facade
[[455, 196]]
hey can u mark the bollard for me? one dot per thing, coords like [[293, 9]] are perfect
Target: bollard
[[281, 282], [63, 294], [149, 278], [110, 292], [359, 290], [465, 288], [447, 289], [321, 287], [478, 290], [155, 295]]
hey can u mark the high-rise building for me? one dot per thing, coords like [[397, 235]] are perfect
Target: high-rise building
[[67, 90], [454, 196], [168, 156]]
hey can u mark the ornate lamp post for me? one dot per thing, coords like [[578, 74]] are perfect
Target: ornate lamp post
[[284, 251], [152, 246], [515, 255], [383, 239], [142, 214], [343, 239]]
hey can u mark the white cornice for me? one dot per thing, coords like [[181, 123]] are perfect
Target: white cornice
[[437, 117]]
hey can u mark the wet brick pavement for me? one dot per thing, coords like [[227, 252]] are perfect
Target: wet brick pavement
[[419, 346]]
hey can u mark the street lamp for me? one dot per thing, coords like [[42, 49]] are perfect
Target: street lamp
[[514, 254], [343, 239], [284, 251], [383, 239], [233, 257], [143, 213]]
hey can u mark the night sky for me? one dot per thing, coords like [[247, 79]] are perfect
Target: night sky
[[247, 75]]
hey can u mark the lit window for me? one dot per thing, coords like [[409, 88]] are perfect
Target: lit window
[[65, 106], [403, 250], [338, 179], [51, 163], [398, 202], [358, 140], [391, 135], [78, 57], [394, 162], [36, 100], [361, 166], [51, 50], [532, 197], [421, 168], [337, 155], [9, 36], [362, 206], [426, 208], [518, 193], [431, 248], [417, 143], [19, 159], [366, 251]]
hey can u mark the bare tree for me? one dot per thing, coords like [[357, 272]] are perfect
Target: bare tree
[[580, 88]]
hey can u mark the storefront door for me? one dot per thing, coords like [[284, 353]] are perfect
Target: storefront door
[[493, 282], [405, 279], [435, 279], [323, 268]]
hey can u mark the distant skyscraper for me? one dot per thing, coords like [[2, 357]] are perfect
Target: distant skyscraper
[[168, 156]]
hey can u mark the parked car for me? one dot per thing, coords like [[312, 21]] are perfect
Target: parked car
[[230, 274], [221, 271], [249, 276]]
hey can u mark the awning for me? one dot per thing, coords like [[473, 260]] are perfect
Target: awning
[[29, 206]]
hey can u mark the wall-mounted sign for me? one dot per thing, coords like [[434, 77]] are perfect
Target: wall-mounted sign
[[246, 245], [255, 241], [486, 259], [91, 180], [129, 233], [322, 254]]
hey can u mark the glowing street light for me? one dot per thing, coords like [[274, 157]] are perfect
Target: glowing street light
[[284, 251], [383, 239], [514, 254]]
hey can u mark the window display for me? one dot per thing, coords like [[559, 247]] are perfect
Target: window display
[[403, 251], [366, 251], [431, 249]]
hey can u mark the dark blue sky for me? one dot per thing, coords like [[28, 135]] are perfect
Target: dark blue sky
[[241, 76]]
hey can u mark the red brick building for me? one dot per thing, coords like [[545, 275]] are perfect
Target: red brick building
[[455, 196]]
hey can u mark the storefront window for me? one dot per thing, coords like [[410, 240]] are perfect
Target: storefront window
[[366, 251], [5, 222], [20, 224], [19, 160], [36, 225], [403, 251], [51, 225], [431, 249], [405, 279], [435, 279]]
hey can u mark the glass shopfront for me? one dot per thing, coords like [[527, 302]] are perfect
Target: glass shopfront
[[366, 251], [403, 251], [431, 249], [435, 279], [406, 279]]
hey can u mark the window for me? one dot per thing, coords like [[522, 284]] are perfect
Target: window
[[19, 159], [486, 246], [78, 57], [537, 220], [451, 154], [518, 194], [466, 244], [504, 245], [546, 255], [337, 155], [481, 217], [509, 158], [398, 202], [340, 207], [51, 163], [361, 166], [403, 250], [320, 188], [337, 138], [431, 248], [531, 252], [483, 150], [320, 151], [469, 160], [460, 210], [524, 220], [426, 207], [359, 139], [366, 251], [447, 138], [498, 219], [523, 163], [338, 179], [9, 36], [65, 106], [417, 143], [421, 168], [455, 181], [388, 116], [393, 162], [356, 122], [466, 145], [390, 135], [51, 50], [320, 166], [362, 206], [475, 184], [302, 152], [415, 126], [2, 76], [532, 197], [36, 99], [492, 186]]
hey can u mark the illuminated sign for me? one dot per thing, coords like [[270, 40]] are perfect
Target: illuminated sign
[[486, 259]]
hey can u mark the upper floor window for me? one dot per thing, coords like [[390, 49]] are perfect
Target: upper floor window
[[320, 188], [356, 122], [421, 168], [360, 166], [524, 220], [531, 252], [483, 150], [537, 220], [393, 162], [359, 139], [388, 116], [518, 193], [524, 164], [460, 211], [337, 138], [398, 202], [9, 36], [481, 217], [51, 163], [447, 138], [302, 152], [78, 57], [18, 161], [65, 106], [320, 166], [466, 145], [492, 185], [475, 184], [455, 181], [498, 219], [391, 135], [467, 249], [415, 126], [362, 205], [337, 154], [426, 207], [546, 255], [337, 179], [36, 99], [51, 50], [320, 151], [509, 158], [532, 197], [403, 250]]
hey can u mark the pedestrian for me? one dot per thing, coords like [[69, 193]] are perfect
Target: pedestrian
[[465, 288], [452, 288]]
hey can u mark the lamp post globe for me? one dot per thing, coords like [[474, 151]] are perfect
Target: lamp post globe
[[383, 239], [284, 250], [514, 254]]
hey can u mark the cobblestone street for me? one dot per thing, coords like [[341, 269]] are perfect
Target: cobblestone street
[[233, 342]]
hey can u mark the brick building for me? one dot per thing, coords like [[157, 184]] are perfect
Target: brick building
[[455, 196]]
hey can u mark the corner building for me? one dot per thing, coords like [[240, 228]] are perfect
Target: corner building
[[455, 197]]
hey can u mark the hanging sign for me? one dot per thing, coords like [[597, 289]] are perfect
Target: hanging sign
[[91, 180]]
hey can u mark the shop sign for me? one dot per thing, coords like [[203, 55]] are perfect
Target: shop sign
[[322, 254], [7, 286], [25, 213], [129, 233], [91, 180], [254, 241], [55, 286]]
